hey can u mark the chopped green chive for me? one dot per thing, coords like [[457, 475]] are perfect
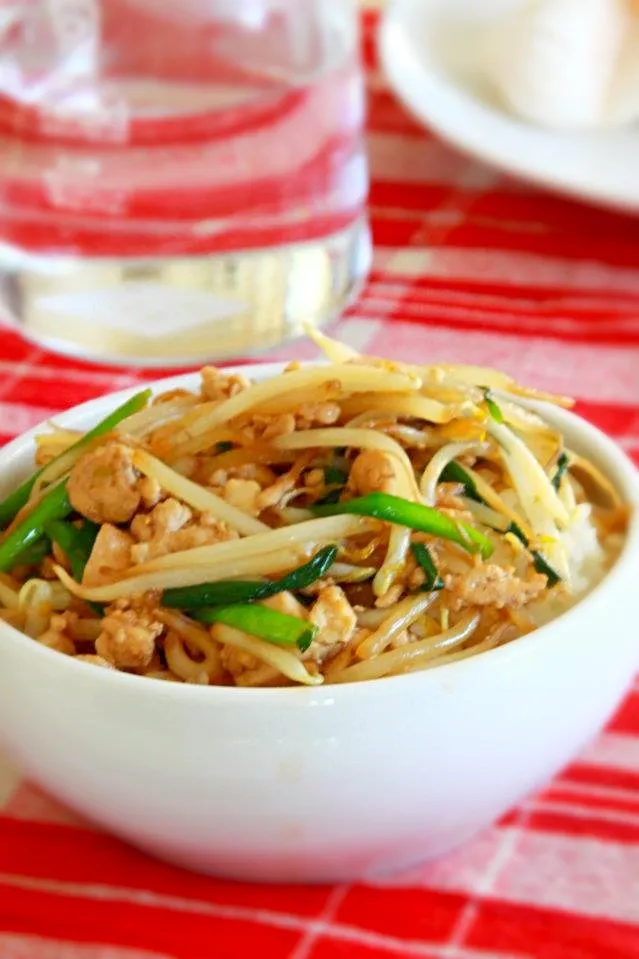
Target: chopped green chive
[[262, 622], [433, 579], [540, 564], [76, 542], [493, 407], [454, 473], [239, 591], [14, 503], [53, 505], [563, 464], [402, 512]]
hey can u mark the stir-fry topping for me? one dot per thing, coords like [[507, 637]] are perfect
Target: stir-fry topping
[[337, 523]]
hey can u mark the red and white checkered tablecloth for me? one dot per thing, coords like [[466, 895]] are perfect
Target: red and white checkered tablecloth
[[471, 267]]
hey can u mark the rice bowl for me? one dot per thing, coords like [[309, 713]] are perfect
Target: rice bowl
[[332, 781]]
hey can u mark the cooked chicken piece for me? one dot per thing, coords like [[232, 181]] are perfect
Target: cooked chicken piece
[[315, 588], [248, 471], [491, 585], [185, 466], [237, 662], [335, 617], [172, 528], [308, 415], [111, 554], [314, 478], [272, 495], [129, 632], [278, 426], [96, 661], [448, 496], [255, 471], [217, 385], [286, 603], [166, 518], [150, 491], [60, 557], [410, 577], [247, 669], [268, 427], [374, 471], [243, 494], [104, 486], [416, 579], [317, 414], [57, 635]]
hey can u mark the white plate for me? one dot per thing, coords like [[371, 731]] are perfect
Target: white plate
[[427, 53]]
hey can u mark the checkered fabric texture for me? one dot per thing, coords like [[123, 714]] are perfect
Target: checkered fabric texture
[[470, 267]]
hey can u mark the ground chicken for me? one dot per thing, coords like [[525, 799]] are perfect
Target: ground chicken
[[335, 617], [172, 528], [111, 554], [237, 662], [247, 669], [416, 579], [47, 568], [410, 578], [104, 485], [243, 494], [311, 415], [244, 669], [286, 602], [217, 385], [272, 495], [448, 496], [315, 588], [150, 491], [261, 427], [308, 416], [248, 471], [166, 518], [276, 426], [128, 636], [96, 661], [374, 471], [185, 466], [57, 635], [491, 585], [315, 478]]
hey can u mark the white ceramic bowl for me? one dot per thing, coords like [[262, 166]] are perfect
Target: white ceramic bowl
[[326, 783]]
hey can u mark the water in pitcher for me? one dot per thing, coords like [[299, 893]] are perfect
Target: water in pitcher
[[179, 181]]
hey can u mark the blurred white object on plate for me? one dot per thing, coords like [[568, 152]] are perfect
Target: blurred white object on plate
[[553, 61], [434, 60]]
